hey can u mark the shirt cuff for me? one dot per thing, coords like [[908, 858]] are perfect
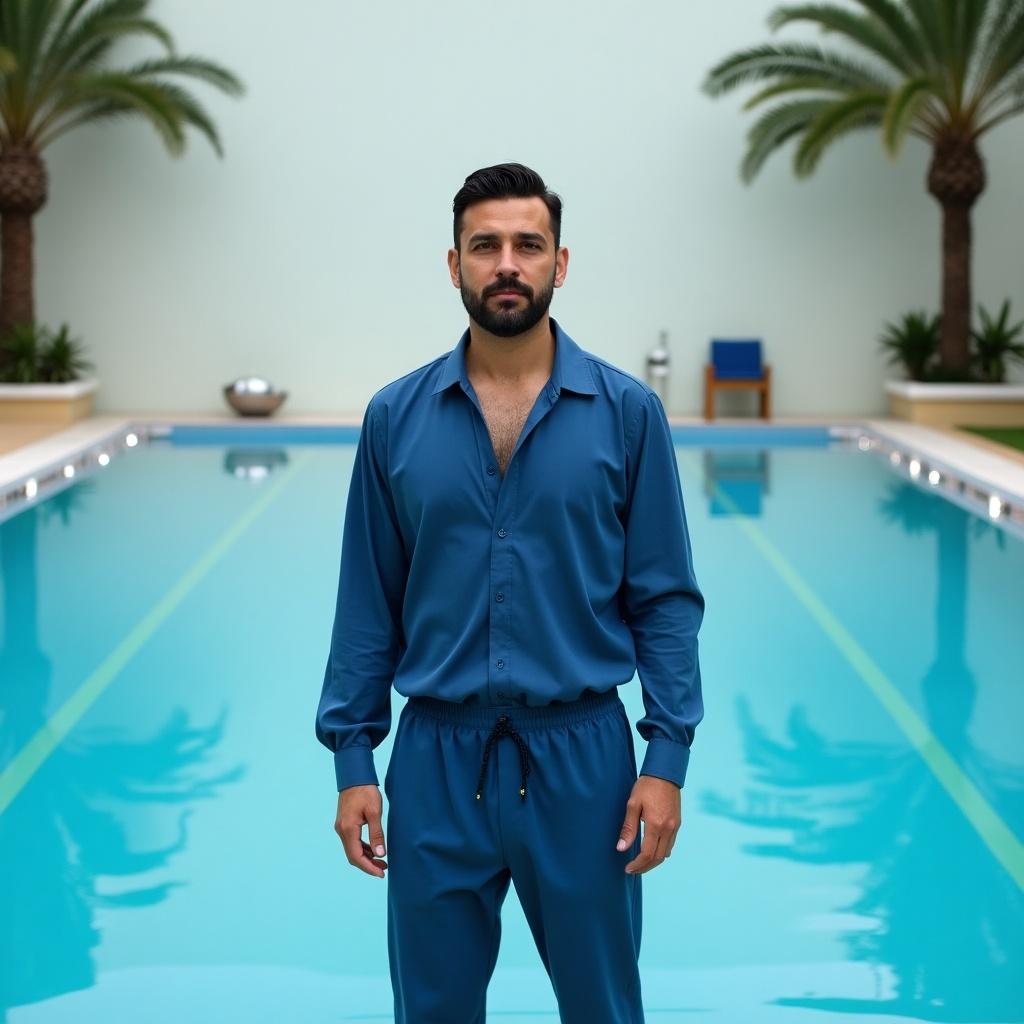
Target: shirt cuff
[[353, 766], [666, 759]]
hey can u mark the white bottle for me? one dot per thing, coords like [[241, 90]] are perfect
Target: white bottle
[[658, 366]]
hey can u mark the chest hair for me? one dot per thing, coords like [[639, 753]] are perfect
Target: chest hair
[[505, 413]]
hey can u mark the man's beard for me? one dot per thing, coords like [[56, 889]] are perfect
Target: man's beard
[[506, 323]]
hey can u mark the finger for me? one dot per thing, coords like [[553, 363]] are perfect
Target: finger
[[645, 859], [376, 834], [675, 832], [368, 854], [673, 837], [657, 853], [630, 826], [358, 852]]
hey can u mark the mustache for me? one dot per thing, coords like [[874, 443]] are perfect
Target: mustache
[[507, 285]]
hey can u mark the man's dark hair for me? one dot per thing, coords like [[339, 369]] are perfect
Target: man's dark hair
[[507, 181]]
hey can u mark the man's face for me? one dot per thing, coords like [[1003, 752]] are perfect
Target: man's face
[[507, 266]]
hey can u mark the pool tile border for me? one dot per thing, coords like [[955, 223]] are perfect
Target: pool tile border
[[973, 476]]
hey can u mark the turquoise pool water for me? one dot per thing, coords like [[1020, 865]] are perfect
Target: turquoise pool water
[[854, 807]]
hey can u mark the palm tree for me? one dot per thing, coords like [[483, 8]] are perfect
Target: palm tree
[[53, 78], [945, 71]]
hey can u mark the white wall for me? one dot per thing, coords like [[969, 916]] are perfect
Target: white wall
[[314, 253]]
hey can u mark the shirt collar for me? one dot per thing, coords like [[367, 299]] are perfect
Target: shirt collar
[[570, 372]]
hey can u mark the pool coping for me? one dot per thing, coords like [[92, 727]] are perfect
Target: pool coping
[[980, 472]]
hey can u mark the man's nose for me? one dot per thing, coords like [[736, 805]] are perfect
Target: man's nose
[[507, 266]]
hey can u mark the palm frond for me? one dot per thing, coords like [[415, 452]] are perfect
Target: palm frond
[[998, 15], [861, 110], [793, 59], [51, 43], [72, 85], [774, 128], [115, 92], [796, 84], [78, 51], [195, 67], [85, 113], [1010, 90], [892, 16], [866, 31], [1007, 55], [927, 16], [167, 106], [967, 32], [30, 21], [1012, 111], [960, 24], [192, 113], [905, 105]]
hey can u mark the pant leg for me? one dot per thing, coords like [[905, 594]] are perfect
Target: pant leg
[[584, 911], [446, 876]]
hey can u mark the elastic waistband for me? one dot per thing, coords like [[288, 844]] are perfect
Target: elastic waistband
[[587, 707]]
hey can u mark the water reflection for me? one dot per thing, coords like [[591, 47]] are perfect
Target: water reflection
[[739, 476], [77, 822], [950, 919], [254, 463]]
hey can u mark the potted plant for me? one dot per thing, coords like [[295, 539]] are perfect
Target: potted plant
[[913, 343], [943, 72], [933, 394], [41, 379], [995, 343], [54, 77]]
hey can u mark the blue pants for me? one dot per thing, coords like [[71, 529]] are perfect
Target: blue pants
[[480, 796]]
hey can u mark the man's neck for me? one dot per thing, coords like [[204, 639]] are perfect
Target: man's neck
[[520, 359]]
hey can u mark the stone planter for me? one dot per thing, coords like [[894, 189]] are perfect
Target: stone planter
[[952, 405], [47, 403]]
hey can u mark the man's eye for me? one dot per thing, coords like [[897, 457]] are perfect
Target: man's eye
[[531, 245]]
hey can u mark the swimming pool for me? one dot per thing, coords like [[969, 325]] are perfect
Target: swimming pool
[[854, 806]]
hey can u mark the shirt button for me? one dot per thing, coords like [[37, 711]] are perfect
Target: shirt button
[[502, 532], [500, 663], [490, 471], [499, 596]]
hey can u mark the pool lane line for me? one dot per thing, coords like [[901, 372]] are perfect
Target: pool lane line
[[994, 832], [28, 760]]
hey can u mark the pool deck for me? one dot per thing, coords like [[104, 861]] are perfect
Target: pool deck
[[26, 449]]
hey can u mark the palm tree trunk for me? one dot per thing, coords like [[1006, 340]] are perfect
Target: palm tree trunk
[[17, 302], [954, 353], [23, 190], [956, 178]]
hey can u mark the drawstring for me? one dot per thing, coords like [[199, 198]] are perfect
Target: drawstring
[[500, 729]]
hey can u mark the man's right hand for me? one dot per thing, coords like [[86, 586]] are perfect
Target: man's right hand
[[358, 806]]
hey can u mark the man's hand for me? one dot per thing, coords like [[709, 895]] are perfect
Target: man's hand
[[659, 803], [359, 805]]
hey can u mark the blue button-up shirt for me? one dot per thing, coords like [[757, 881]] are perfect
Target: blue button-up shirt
[[571, 572]]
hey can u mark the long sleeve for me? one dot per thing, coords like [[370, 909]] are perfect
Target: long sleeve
[[354, 714], [663, 604]]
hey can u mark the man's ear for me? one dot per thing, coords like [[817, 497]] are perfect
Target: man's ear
[[561, 265], [453, 267]]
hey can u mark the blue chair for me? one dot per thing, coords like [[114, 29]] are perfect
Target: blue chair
[[736, 363]]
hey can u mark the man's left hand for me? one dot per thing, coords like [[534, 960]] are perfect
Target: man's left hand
[[659, 803]]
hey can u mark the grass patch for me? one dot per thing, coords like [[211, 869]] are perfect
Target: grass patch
[[1013, 437]]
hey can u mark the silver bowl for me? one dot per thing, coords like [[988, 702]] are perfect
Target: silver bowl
[[253, 396]]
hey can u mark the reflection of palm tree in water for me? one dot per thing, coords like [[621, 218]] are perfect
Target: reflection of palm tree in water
[[64, 830], [949, 915]]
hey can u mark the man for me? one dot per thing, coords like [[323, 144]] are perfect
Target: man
[[515, 547]]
